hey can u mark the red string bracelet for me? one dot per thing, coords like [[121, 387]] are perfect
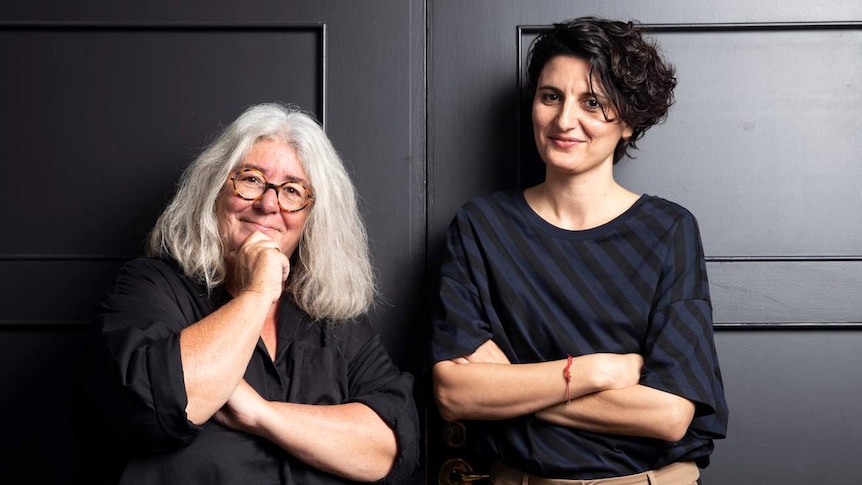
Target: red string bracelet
[[567, 375]]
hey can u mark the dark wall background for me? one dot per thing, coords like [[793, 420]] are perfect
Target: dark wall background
[[105, 103]]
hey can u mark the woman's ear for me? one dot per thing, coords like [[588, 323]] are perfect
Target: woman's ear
[[628, 131]]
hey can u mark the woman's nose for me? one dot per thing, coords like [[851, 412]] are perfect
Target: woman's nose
[[268, 202], [567, 117]]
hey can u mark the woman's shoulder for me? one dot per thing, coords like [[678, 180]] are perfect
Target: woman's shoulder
[[163, 275], [491, 204], [665, 209], [150, 264], [152, 268], [498, 198], [356, 329], [664, 217]]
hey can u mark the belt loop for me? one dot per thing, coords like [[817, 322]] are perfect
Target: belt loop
[[651, 479]]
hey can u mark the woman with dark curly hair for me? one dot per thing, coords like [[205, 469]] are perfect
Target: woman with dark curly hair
[[573, 320]]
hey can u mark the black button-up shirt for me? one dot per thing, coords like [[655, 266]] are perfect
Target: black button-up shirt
[[136, 385]]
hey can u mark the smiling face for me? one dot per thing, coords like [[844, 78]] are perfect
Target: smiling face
[[571, 132], [238, 218]]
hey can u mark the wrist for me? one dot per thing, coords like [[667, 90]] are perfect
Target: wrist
[[567, 377], [259, 294]]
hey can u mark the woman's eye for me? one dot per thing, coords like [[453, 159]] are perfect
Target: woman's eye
[[551, 97], [593, 104], [293, 191]]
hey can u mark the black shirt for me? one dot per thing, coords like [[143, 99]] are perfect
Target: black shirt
[[135, 382]]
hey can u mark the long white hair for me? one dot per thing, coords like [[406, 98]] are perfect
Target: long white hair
[[331, 277]]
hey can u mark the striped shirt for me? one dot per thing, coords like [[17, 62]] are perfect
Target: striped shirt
[[636, 284]]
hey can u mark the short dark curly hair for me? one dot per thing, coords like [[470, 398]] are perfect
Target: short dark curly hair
[[635, 79]]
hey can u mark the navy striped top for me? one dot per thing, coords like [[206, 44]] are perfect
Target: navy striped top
[[635, 284]]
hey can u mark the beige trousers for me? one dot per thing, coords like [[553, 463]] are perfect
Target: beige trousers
[[682, 473]]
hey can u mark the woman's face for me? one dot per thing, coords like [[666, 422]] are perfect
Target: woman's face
[[571, 133], [238, 218]]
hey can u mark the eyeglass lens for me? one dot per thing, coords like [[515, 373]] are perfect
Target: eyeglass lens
[[251, 185]]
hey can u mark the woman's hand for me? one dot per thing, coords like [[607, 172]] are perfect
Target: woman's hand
[[216, 350], [609, 371], [258, 266]]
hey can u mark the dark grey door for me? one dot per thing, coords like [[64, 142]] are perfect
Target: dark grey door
[[764, 146], [104, 104]]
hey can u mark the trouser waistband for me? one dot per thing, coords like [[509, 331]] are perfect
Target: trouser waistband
[[681, 473]]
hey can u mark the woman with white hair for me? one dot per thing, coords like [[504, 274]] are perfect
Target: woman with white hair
[[238, 351]]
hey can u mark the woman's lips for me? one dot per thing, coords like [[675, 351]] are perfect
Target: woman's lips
[[259, 226], [565, 142]]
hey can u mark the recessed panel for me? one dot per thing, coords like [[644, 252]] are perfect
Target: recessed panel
[[764, 143], [786, 292], [98, 123]]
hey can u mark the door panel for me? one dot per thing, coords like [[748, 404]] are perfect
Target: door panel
[[762, 146], [104, 106]]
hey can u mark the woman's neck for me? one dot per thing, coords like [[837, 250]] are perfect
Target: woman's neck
[[576, 204]]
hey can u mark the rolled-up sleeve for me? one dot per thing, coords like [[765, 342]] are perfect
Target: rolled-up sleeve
[[136, 376], [375, 381]]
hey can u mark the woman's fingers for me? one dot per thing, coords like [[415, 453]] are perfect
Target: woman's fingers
[[261, 266]]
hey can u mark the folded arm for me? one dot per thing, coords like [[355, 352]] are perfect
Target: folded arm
[[349, 440], [633, 411], [484, 385], [216, 350]]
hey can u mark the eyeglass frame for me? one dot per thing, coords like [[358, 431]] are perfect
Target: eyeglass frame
[[268, 185]]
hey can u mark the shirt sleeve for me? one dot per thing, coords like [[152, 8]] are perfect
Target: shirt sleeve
[[135, 377], [459, 322], [375, 381], [679, 351]]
